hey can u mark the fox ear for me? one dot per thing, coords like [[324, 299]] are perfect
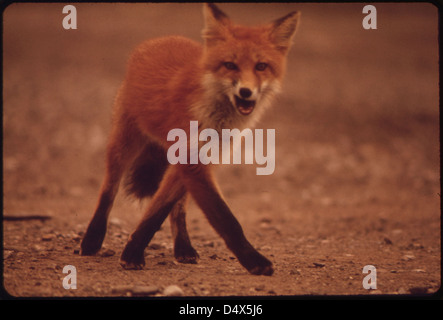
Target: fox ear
[[216, 22], [283, 30]]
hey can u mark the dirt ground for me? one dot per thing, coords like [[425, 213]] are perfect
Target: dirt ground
[[357, 176]]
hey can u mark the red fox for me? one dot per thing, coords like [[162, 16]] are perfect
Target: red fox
[[225, 83]]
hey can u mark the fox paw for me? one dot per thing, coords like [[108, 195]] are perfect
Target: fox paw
[[262, 270], [131, 265], [257, 264], [92, 241], [132, 258], [185, 254]]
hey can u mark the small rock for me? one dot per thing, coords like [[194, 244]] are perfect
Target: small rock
[[209, 244], [265, 220], [295, 272], [318, 265], [415, 246], [408, 257], [173, 290], [107, 253], [213, 257], [47, 237], [135, 290], [76, 237], [265, 225], [144, 290], [115, 221], [37, 247], [387, 240], [166, 245], [260, 287]]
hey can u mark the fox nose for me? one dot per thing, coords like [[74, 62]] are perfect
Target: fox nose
[[245, 93]]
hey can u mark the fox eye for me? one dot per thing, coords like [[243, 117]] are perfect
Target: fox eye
[[230, 65], [261, 66]]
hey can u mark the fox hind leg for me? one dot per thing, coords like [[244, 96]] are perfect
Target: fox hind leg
[[183, 250], [170, 191], [120, 155], [95, 234], [143, 181]]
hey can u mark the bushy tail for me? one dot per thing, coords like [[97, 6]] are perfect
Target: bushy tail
[[147, 171]]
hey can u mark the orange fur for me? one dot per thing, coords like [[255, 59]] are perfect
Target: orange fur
[[226, 83]]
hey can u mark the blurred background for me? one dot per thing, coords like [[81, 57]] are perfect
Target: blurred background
[[359, 106]]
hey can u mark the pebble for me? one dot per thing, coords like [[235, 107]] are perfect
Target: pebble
[[47, 237], [415, 245], [135, 290], [209, 244], [408, 257], [107, 253], [144, 290], [260, 287], [265, 225], [76, 237], [295, 272], [115, 221], [318, 265], [266, 220], [173, 290], [37, 247]]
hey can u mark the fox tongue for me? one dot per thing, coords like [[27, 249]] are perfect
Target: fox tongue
[[244, 106]]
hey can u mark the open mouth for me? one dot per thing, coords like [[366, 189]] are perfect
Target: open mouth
[[245, 107]]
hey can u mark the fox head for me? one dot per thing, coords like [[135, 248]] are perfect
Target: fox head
[[244, 65]]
